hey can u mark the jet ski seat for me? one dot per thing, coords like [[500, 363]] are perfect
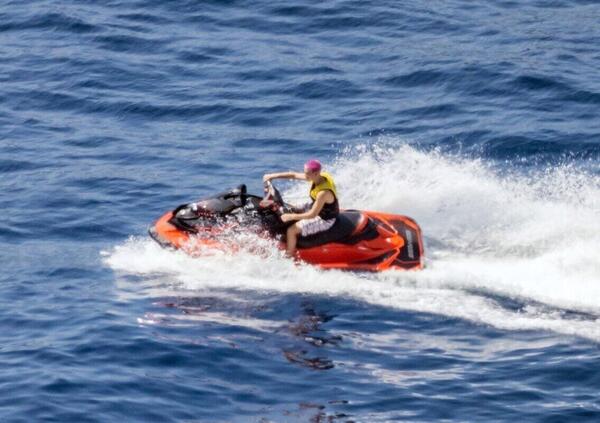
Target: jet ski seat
[[347, 223]]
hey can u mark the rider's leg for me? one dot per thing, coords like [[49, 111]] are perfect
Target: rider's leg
[[292, 238]]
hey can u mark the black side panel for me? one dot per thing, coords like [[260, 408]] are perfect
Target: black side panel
[[410, 254], [182, 225], [379, 259], [156, 237]]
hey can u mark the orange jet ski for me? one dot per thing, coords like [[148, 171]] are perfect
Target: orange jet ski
[[358, 240]]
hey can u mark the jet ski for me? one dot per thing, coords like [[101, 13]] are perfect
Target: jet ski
[[358, 240]]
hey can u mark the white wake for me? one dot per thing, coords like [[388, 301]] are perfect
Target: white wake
[[534, 237]]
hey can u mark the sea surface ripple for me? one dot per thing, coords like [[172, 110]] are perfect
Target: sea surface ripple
[[478, 119]]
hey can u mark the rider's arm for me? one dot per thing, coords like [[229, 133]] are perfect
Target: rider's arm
[[284, 175], [316, 208]]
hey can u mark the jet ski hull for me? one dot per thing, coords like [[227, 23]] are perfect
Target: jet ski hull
[[379, 242]]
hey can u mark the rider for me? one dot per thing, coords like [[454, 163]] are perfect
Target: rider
[[314, 217]]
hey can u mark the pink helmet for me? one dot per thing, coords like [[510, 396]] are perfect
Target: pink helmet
[[313, 165]]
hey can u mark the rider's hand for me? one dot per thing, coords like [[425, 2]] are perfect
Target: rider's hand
[[288, 217]]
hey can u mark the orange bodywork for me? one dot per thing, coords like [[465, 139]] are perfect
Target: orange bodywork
[[399, 244]]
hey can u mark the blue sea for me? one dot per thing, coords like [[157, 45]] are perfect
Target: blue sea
[[480, 120]]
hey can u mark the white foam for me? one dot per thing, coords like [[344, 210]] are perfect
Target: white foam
[[530, 236]]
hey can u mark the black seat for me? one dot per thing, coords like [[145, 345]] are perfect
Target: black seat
[[345, 224]]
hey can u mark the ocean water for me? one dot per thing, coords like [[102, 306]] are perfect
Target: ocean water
[[480, 120]]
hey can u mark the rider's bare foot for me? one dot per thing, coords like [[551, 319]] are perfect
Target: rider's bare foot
[[294, 256]]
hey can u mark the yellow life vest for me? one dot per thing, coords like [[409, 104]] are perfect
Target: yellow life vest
[[326, 185]]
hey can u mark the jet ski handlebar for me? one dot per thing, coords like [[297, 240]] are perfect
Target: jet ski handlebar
[[273, 195]]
